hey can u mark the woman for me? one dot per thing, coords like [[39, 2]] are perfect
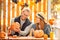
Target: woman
[[41, 24]]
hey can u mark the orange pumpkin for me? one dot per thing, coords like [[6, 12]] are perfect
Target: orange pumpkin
[[51, 21], [45, 36], [15, 25], [38, 33], [2, 34]]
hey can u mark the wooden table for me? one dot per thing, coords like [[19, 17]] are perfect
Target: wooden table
[[26, 38]]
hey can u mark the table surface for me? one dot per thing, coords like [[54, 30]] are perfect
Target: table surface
[[27, 38]]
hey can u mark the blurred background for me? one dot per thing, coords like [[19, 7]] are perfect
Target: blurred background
[[12, 8]]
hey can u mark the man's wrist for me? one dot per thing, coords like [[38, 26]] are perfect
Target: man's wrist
[[19, 31]]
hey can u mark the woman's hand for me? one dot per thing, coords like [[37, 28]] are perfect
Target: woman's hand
[[38, 33]]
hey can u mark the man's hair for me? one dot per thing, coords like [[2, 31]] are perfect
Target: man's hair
[[26, 9]]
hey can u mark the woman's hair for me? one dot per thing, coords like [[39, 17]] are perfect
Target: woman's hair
[[41, 25], [37, 26], [42, 22]]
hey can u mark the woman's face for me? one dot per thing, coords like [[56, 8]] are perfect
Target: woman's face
[[38, 20]]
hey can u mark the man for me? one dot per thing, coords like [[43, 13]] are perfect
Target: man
[[24, 22]]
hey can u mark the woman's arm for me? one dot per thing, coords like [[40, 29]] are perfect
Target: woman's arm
[[47, 30], [34, 26]]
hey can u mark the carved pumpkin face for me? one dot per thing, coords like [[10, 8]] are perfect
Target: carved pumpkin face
[[38, 33]]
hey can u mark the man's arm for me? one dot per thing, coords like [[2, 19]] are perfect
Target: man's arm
[[26, 31], [11, 32], [12, 20]]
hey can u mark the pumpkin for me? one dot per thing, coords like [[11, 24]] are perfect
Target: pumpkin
[[51, 21], [2, 34], [15, 25], [45, 36], [38, 33]]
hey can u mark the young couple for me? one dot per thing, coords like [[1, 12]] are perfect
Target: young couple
[[26, 25]]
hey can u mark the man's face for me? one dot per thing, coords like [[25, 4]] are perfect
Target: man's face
[[24, 15]]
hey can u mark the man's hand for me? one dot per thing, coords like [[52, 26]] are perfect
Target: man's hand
[[15, 27]]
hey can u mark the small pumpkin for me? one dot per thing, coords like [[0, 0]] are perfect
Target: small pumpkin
[[2, 34], [38, 33], [51, 21], [45, 36]]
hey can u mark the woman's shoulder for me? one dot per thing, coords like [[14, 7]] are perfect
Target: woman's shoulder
[[34, 26], [47, 26]]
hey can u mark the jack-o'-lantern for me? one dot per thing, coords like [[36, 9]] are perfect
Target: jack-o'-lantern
[[38, 33]]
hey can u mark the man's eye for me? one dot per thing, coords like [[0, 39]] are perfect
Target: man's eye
[[25, 15]]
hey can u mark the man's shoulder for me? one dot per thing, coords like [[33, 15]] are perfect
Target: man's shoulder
[[17, 17], [28, 20]]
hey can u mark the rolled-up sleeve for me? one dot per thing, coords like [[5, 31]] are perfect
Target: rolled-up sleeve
[[12, 20], [26, 31], [47, 30]]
